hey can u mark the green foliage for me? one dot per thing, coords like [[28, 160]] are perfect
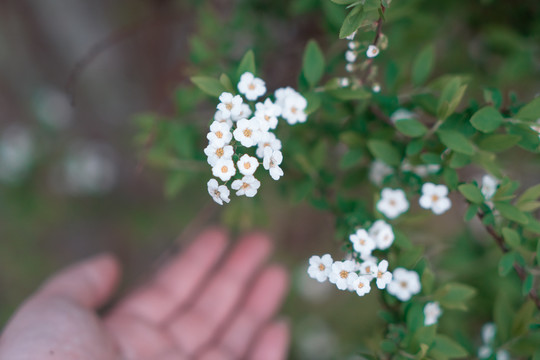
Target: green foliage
[[423, 65], [487, 119], [208, 85], [313, 63]]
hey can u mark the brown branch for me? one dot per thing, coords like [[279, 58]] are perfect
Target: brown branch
[[520, 270], [375, 40]]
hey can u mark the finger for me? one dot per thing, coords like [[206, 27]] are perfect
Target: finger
[[272, 343], [262, 303], [89, 283], [177, 282], [196, 326]]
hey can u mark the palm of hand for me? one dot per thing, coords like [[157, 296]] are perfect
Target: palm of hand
[[194, 308]]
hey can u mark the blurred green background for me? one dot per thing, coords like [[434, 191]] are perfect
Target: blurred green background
[[87, 87]]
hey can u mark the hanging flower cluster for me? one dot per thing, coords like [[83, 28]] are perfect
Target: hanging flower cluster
[[487, 350], [356, 274], [235, 131]]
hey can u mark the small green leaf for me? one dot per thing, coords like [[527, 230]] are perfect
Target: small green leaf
[[226, 82], [532, 193], [351, 158], [451, 178], [528, 206], [454, 295], [456, 141], [350, 94], [511, 237], [450, 98], [411, 127], [352, 21], [471, 193], [384, 151], [445, 347], [506, 264], [208, 85], [527, 285], [530, 112], [471, 212], [523, 318], [493, 96], [414, 147], [511, 212], [487, 119], [423, 64], [498, 142], [428, 280], [313, 102], [313, 63], [247, 64]]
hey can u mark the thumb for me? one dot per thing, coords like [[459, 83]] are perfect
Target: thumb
[[89, 282]]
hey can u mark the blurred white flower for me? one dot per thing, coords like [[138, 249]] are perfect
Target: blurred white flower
[[383, 276], [342, 274], [251, 86], [368, 268], [404, 284], [382, 233], [247, 165], [351, 37], [247, 186], [376, 88], [266, 113], [214, 153], [267, 139], [220, 134], [230, 105], [292, 105], [350, 56], [343, 82], [224, 169], [392, 203], [489, 186], [16, 153], [402, 114], [219, 193], [361, 284], [352, 45], [432, 312], [272, 160], [434, 197], [218, 117], [53, 108], [320, 267], [488, 332], [245, 112], [484, 352], [378, 171], [247, 132], [502, 355], [362, 242], [372, 51]]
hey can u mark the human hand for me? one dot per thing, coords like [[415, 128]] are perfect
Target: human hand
[[201, 305]]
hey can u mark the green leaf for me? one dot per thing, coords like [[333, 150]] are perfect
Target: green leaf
[[352, 21], [313, 63], [506, 263], [456, 141], [523, 318], [350, 94], [384, 151], [343, 2], [511, 212], [530, 112], [527, 285], [471, 212], [503, 314], [351, 158], [451, 178], [454, 295], [493, 96], [511, 237], [529, 138], [411, 127], [451, 96], [313, 102], [227, 83], [532, 193], [208, 85], [487, 119], [423, 64], [447, 348], [471, 193], [498, 142], [414, 147], [428, 280], [247, 64]]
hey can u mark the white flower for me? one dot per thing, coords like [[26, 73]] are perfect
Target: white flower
[[266, 113], [219, 193], [220, 134], [224, 169], [270, 140], [271, 161], [247, 132], [502, 355], [350, 56], [349, 67], [383, 276], [392, 203], [320, 267], [488, 332], [251, 86], [218, 117], [404, 284], [247, 165], [230, 105], [351, 37], [342, 274], [368, 268], [361, 285], [245, 112], [382, 233], [432, 312], [434, 197], [489, 186], [484, 352], [376, 88], [247, 186], [215, 153], [401, 114], [362, 242], [343, 82], [352, 45], [292, 105], [378, 171], [372, 51]]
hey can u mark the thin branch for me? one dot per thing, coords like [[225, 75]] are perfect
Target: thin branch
[[375, 40], [520, 270]]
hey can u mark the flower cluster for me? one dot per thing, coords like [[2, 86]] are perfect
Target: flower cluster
[[238, 127], [488, 339], [357, 273], [354, 50]]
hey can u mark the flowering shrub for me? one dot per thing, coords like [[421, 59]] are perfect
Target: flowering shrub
[[382, 153]]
